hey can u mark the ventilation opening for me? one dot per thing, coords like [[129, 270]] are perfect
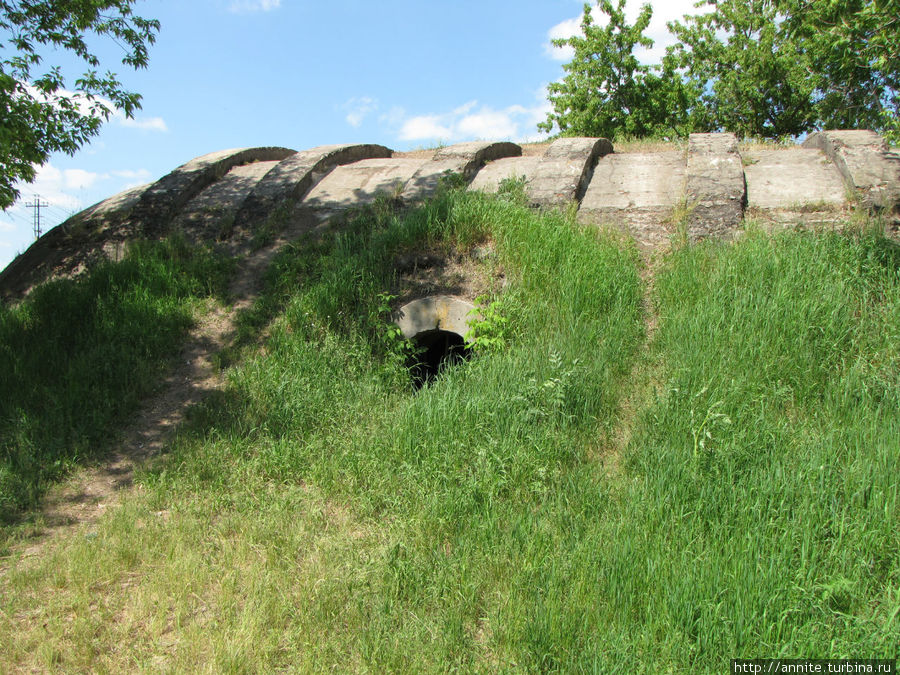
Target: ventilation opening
[[435, 351]]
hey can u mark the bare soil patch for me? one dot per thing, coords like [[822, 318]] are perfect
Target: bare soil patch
[[90, 492]]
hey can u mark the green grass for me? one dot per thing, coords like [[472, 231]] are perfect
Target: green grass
[[78, 356], [318, 514]]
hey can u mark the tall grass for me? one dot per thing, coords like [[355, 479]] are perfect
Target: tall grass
[[321, 515], [440, 485], [764, 500], [78, 355]]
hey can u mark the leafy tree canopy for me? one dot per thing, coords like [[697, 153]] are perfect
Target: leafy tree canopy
[[39, 115], [607, 91], [759, 68]]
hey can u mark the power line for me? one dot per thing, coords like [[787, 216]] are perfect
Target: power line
[[37, 205]]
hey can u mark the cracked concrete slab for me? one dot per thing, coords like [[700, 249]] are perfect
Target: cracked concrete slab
[[463, 158], [215, 207], [865, 161], [164, 199], [714, 187], [293, 178], [636, 192], [557, 177], [494, 173], [565, 169], [361, 182], [790, 178]]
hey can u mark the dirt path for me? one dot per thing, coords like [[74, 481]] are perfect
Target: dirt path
[[90, 492], [645, 376]]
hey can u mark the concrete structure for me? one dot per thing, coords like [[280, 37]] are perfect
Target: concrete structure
[[637, 192], [361, 182], [293, 178], [556, 178], [703, 190], [794, 186], [437, 312], [164, 199], [714, 186], [868, 166], [215, 208], [463, 158]]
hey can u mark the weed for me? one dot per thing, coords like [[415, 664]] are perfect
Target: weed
[[512, 189], [78, 355], [324, 515], [679, 220], [487, 325]]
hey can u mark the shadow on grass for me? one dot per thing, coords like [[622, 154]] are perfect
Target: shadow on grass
[[77, 356]]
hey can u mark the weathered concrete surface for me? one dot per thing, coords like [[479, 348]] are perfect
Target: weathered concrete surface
[[565, 170], [793, 186], [644, 193], [556, 178], [494, 173], [636, 192], [67, 248], [163, 200], [361, 182], [463, 158], [437, 312], [714, 187], [294, 177], [866, 163], [213, 210], [115, 209]]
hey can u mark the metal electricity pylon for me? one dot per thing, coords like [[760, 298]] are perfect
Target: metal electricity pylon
[[37, 205]]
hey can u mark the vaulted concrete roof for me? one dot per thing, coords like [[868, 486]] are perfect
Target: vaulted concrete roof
[[703, 188]]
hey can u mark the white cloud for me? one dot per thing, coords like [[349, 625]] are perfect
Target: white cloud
[[358, 108], [465, 108], [393, 117], [564, 29], [79, 179], [473, 122], [425, 127], [144, 124], [54, 186], [663, 12], [94, 107], [489, 124], [241, 6]]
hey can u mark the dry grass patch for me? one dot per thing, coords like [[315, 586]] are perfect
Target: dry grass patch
[[232, 586]]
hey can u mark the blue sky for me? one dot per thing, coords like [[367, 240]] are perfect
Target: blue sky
[[302, 73]]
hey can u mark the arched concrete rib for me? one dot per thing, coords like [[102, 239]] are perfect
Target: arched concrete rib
[[66, 247], [163, 200], [565, 170], [557, 177], [714, 187], [361, 182], [294, 177], [436, 312], [212, 211], [463, 158], [865, 162]]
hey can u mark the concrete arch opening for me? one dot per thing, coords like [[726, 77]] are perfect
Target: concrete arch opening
[[436, 350], [436, 326]]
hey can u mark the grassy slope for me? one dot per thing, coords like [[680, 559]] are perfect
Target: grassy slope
[[319, 515], [78, 356]]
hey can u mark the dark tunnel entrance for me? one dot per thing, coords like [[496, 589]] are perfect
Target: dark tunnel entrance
[[435, 350]]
